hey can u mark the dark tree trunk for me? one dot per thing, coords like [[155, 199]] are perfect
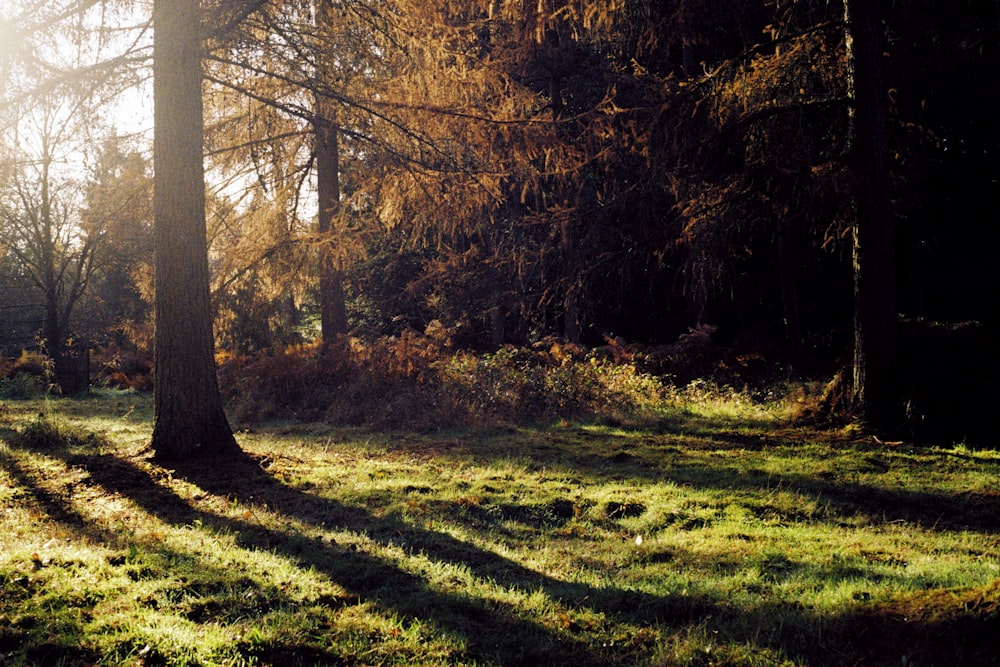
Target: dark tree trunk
[[52, 326], [875, 394], [190, 421], [333, 312], [52, 333], [789, 295], [572, 330]]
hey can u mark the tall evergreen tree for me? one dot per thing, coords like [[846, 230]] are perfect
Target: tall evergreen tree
[[875, 318], [190, 421], [333, 313]]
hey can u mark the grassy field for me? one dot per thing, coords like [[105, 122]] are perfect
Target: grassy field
[[720, 535]]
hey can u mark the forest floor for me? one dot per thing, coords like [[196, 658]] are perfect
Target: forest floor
[[721, 536]]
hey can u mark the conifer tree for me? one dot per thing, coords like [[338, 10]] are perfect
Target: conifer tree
[[189, 419], [875, 320]]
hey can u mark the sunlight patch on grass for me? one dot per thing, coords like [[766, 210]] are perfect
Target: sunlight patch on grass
[[577, 544]]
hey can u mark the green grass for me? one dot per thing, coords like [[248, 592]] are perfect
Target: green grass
[[719, 536]]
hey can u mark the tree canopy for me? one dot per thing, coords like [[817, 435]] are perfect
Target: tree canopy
[[514, 170]]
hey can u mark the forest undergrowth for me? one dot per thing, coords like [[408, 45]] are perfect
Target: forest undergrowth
[[691, 526], [420, 382]]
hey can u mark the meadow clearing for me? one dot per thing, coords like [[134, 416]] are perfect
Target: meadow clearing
[[722, 535]]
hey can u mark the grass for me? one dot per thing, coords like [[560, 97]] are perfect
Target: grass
[[719, 536]]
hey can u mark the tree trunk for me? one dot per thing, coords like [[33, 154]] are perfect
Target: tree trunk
[[189, 419], [52, 327], [52, 331], [332, 309], [571, 304], [789, 295], [333, 312], [875, 319]]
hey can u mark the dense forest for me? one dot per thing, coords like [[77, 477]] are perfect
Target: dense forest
[[806, 188]]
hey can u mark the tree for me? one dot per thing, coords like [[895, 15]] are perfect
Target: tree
[[517, 186], [119, 203], [277, 80], [875, 320], [61, 65], [189, 417], [41, 227], [333, 313]]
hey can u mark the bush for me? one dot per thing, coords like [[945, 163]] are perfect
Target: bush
[[416, 381], [32, 363], [23, 386], [516, 385], [43, 434], [26, 376], [383, 383], [123, 368]]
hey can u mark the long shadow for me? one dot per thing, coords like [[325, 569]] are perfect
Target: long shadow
[[246, 481], [967, 511], [846, 639], [665, 460], [52, 504], [54, 640], [668, 457], [395, 590]]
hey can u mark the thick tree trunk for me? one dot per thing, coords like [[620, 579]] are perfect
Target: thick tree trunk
[[189, 420], [875, 319]]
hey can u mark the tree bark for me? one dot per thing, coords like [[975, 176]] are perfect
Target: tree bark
[[875, 394], [189, 418], [333, 310]]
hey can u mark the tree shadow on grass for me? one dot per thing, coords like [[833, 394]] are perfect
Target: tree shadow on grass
[[515, 640], [843, 500], [690, 461], [520, 641], [934, 627], [51, 503], [55, 631], [492, 631]]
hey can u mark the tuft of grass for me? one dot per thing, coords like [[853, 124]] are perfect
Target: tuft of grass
[[45, 433], [719, 534]]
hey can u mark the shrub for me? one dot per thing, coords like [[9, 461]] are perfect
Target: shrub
[[31, 363], [417, 381], [44, 434], [516, 385], [26, 376], [124, 368], [22, 386]]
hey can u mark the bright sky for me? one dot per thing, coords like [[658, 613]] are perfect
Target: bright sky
[[6, 36], [127, 107], [35, 50], [132, 112], [8, 40]]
